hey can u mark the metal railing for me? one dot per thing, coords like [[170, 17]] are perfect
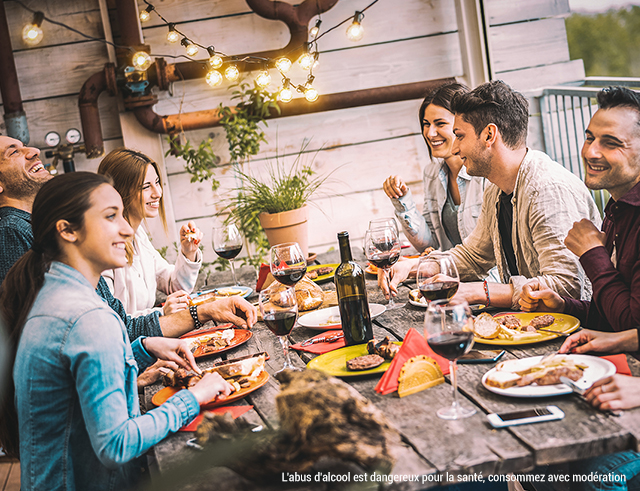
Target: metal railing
[[566, 112]]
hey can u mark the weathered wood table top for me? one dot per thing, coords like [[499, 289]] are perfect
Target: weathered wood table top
[[433, 447]]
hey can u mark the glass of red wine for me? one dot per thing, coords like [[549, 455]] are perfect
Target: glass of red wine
[[448, 329], [437, 276], [382, 248], [288, 264], [227, 243], [280, 311]]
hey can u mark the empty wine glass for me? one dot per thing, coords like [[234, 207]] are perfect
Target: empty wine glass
[[449, 331], [227, 243], [382, 248], [280, 311], [437, 276], [288, 264]]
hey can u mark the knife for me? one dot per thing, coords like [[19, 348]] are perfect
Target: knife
[[580, 391], [324, 339], [560, 333]]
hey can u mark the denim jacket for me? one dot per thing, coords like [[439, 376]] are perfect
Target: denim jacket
[[426, 230], [76, 396]]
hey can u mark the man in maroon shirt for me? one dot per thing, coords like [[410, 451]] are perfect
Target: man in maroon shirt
[[611, 258]]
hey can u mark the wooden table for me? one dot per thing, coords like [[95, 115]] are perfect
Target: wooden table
[[433, 447]]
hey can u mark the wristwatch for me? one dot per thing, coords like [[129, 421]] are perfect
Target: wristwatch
[[193, 310]]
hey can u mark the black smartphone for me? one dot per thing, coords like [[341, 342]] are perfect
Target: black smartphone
[[481, 356]]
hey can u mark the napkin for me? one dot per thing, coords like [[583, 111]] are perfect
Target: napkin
[[414, 344], [320, 348], [620, 361], [265, 278], [236, 412]]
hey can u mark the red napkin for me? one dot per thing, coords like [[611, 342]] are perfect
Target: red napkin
[[620, 361], [320, 348], [414, 344], [265, 269], [236, 412]]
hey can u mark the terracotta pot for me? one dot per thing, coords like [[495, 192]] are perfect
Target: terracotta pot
[[288, 226]]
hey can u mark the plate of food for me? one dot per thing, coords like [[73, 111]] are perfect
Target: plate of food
[[216, 340], [539, 376], [522, 328], [354, 361], [321, 272], [329, 318], [203, 296], [246, 374]]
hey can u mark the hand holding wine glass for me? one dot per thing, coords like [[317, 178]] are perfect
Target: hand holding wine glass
[[227, 243], [280, 311], [437, 276], [448, 328], [288, 264], [382, 248]]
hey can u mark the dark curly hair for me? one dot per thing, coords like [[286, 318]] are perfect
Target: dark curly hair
[[619, 97]]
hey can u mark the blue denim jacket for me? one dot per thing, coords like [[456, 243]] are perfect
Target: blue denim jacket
[[76, 396]]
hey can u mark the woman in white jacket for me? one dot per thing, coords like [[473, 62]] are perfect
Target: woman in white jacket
[[136, 178]]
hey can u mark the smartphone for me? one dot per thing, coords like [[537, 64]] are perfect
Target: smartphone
[[481, 356], [525, 416]]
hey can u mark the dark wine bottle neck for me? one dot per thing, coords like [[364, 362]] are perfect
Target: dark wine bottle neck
[[345, 247]]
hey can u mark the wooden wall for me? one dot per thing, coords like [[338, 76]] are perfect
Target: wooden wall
[[404, 42]]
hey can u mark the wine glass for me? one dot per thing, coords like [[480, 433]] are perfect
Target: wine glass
[[437, 276], [382, 248], [383, 222], [449, 331], [227, 243], [288, 264], [280, 311]]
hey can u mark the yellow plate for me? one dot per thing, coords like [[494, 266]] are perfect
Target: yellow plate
[[335, 362], [564, 323], [323, 277]]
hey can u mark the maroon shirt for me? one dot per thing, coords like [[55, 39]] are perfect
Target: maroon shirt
[[615, 304]]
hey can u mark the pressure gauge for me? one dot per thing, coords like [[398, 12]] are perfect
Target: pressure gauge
[[73, 136], [52, 139]]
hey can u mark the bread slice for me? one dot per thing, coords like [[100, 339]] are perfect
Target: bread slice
[[518, 366], [485, 326], [502, 380]]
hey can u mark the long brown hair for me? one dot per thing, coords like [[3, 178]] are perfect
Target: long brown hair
[[66, 197], [128, 169]]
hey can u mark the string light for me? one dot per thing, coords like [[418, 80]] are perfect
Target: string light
[[283, 64], [285, 94], [263, 79], [214, 78], [215, 60], [191, 48], [355, 30], [141, 61], [145, 14], [232, 73], [310, 93], [32, 33], [313, 32], [307, 59], [172, 35]]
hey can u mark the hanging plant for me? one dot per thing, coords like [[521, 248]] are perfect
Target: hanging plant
[[199, 162]]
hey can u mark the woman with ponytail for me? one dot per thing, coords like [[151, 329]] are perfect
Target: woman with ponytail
[[74, 369]]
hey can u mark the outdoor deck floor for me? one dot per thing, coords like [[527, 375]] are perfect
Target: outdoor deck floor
[[9, 475]]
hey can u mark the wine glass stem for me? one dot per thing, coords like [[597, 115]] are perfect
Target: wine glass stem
[[284, 341], [454, 383], [233, 272], [387, 274]]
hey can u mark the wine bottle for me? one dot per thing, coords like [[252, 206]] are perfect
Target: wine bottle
[[352, 296]]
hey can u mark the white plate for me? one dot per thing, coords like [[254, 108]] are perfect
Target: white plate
[[318, 319], [242, 291], [597, 368]]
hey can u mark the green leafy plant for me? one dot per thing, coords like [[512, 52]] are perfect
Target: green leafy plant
[[199, 162]]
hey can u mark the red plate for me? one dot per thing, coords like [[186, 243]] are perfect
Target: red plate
[[163, 394], [240, 336]]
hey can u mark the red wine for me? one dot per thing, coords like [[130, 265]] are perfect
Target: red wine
[[385, 260], [280, 323], [439, 291], [228, 252], [290, 277], [451, 345], [384, 245]]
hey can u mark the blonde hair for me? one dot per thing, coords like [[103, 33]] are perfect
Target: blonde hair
[[128, 169]]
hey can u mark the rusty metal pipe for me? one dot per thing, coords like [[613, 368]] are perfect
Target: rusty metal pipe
[[128, 23], [89, 113], [210, 118]]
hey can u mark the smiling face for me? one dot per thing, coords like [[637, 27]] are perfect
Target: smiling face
[[468, 146], [22, 173], [437, 129], [611, 151], [150, 194]]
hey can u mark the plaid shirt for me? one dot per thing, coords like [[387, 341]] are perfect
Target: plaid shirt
[[16, 238]]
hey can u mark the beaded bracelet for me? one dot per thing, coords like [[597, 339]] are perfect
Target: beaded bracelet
[[486, 293], [193, 310]]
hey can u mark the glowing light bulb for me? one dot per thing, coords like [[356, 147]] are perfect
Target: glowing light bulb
[[145, 15], [306, 61], [32, 33], [263, 79], [310, 94], [141, 61], [215, 61], [355, 30], [232, 73], [283, 64], [313, 32], [173, 36], [214, 78], [191, 48], [285, 95]]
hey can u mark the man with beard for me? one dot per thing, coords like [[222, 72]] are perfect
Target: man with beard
[[526, 211]]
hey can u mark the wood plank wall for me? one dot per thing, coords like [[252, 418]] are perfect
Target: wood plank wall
[[404, 42]]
